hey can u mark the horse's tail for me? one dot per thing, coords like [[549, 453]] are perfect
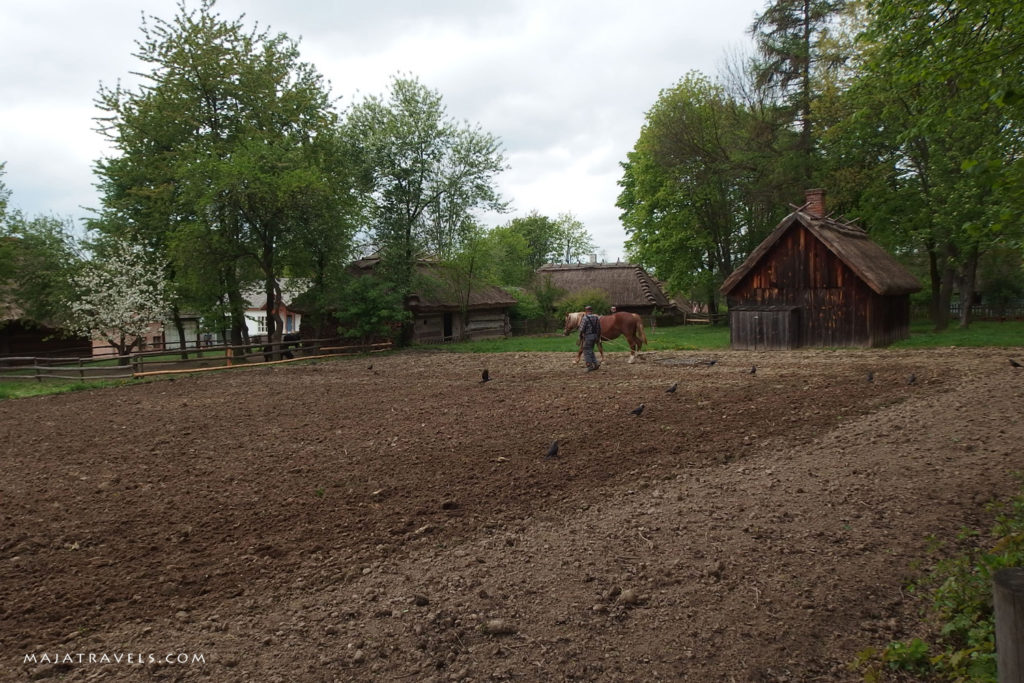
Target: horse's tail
[[640, 334]]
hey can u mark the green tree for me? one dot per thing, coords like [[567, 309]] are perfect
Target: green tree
[[572, 241], [6, 243], [926, 139], [429, 175], [508, 252], [541, 235], [369, 308], [789, 35], [546, 294], [39, 258], [5, 193], [226, 155], [696, 196]]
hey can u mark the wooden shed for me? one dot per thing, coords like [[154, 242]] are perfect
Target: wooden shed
[[21, 336], [628, 287], [447, 307], [818, 281]]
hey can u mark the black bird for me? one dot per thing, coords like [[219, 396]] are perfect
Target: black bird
[[912, 379], [486, 377], [370, 366], [871, 376], [753, 370], [639, 409], [1015, 364], [672, 389], [553, 449], [712, 361]]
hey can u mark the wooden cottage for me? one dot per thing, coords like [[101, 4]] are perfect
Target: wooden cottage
[[627, 286], [446, 307], [817, 281]]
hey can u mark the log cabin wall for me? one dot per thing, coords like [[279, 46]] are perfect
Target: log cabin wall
[[835, 307]]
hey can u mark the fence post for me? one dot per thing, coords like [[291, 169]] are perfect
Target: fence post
[[1008, 599]]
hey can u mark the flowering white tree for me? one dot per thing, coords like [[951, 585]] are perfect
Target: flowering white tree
[[119, 297]]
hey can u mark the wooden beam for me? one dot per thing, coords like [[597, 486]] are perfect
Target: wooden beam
[[1008, 599], [184, 371]]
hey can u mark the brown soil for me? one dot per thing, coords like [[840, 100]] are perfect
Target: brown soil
[[339, 522]]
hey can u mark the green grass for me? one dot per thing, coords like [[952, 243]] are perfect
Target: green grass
[[687, 337], [995, 334], [713, 338], [29, 387]]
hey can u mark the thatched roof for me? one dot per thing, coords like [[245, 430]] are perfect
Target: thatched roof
[[626, 284], [440, 288], [871, 263]]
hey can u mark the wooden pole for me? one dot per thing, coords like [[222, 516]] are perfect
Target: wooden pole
[[1008, 598]]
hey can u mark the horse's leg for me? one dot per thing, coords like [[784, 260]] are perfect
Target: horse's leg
[[632, 342], [600, 348]]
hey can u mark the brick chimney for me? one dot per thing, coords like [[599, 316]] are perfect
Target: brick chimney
[[815, 202]]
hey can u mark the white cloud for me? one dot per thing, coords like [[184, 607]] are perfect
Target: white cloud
[[564, 83]]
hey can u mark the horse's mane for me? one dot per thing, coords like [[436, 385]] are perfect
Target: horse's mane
[[573, 319]]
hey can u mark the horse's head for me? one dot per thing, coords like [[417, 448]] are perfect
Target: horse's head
[[572, 322]]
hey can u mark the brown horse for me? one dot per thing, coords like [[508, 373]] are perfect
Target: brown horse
[[613, 326]]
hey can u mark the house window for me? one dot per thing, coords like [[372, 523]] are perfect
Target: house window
[[261, 324], [289, 323]]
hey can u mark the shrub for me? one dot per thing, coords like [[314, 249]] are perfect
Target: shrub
[[586, 297]]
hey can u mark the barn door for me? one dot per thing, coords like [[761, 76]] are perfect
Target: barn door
[[763, 329]]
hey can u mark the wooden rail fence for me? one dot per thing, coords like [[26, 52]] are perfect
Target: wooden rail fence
[[153, 363]]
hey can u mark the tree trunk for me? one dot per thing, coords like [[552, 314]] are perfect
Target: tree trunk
[[945, 297], [935, 280], [968, 282], [236, 308], [180, 327]]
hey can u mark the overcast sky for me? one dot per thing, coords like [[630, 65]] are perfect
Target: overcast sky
[[564, 84]]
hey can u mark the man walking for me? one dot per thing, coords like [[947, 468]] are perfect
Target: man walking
[[590, 332]]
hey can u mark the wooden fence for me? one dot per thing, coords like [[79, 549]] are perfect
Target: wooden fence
[[152, 363]]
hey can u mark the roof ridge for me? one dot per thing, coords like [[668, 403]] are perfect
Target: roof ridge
[[645, 283]]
